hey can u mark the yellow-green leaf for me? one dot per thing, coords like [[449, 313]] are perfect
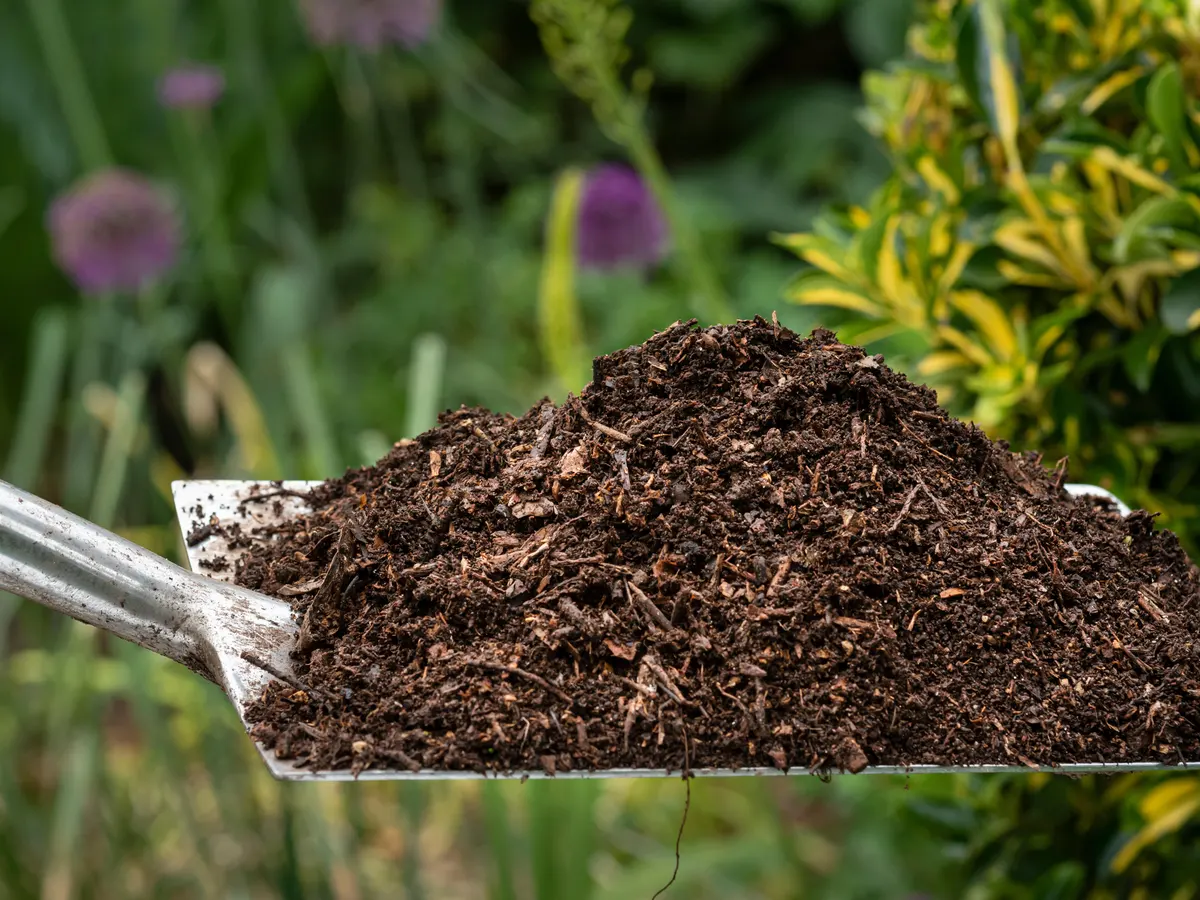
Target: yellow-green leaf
[[941, 362], [897, 290], [1019, 237], [559, 323], [1105, 90], [962, 254], [1018, 275], [1166, 808], [999, 93], [990, 319], [1108, 158], [820, 251], [1075, 238], [970, 349], [821, 289], [937, 179]]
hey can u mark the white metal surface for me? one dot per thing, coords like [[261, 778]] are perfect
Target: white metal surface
[[226, 501]]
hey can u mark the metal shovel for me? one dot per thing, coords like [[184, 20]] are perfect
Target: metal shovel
[[238, 638]]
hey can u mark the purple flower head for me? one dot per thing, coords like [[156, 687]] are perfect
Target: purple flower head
[[191, 86], [620, 222], [370, 24], [113, 231]]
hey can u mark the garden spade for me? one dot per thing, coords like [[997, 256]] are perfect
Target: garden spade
[[237, 638]]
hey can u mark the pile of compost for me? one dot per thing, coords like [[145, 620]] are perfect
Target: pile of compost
[[737, 545]]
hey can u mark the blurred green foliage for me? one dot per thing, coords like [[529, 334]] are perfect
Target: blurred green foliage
[[369, 242]]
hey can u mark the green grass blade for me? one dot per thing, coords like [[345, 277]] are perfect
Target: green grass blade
[[496, 826], [578, 836], [560, 327], [289, 882], [413, 799], [70, 807], [305, 399], [66, 70], [93, 327], [40, 403], [425, 374], [167, 763], [114, 463], [543, 839]]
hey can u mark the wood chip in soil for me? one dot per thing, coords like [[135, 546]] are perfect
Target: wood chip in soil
[[776, 543]]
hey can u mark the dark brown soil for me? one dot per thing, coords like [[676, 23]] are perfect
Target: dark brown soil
[[773, 549]]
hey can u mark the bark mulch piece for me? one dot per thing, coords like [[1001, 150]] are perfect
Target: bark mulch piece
[[774, 549]]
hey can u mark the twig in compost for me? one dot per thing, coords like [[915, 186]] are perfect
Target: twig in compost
[[323, 606], [663, 679], [646, 605], [270, 495], [604, 429], [1060, 474], [938, 504], [637, 686], [924, 442], [904, 509], [612, 432], [687, 805], [780, 574], [542, 444], [398, 756], [1150, 606], [255, 660], [622, 459], [528, 676]]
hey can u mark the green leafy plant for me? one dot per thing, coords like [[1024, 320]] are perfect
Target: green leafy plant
[[1034, 255]]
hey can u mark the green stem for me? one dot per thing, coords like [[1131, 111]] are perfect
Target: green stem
[[198, 153], [40, 403], [413, 800], [301, 383], [401, 137], [354, 93], [110, 481], [239, 23], [70, 83], [425, 374], [690, 264]]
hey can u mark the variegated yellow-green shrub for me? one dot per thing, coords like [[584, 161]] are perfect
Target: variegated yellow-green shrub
[[1035, 256]]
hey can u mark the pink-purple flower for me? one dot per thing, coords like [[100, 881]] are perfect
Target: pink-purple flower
[[371, 24], [114, 231], [620, 223], [191, 86]]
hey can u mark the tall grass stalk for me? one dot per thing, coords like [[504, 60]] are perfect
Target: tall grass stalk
[[501, 851], [40, 403], [585, 40], [70, 812], [70, 83], [392, 103], [425, 375], [560, 326], [322, 459]]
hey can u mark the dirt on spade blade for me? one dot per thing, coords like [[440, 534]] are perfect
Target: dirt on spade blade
[[754, 548]]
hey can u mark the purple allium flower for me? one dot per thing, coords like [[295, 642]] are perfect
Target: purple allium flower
[[620, 222], [370, 24], [113, 231], [191, 86]]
